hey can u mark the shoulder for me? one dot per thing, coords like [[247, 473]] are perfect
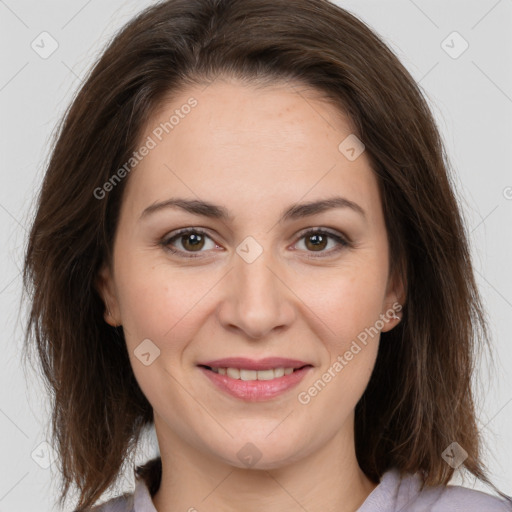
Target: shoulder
[[123, 503], [137, 501], [397, 492], [463, 499]]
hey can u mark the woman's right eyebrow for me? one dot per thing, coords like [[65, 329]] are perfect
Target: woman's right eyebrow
[[194, 206], [295, 211]]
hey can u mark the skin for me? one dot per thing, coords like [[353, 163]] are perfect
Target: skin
[[253, 151]]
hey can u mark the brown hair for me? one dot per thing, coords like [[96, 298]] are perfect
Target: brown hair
[[419, 398]]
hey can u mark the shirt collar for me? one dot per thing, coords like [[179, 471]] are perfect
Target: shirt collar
[[142, 501]]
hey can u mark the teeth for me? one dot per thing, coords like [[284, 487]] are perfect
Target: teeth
[[234, 373], [279, 372], [242, 374], [264, 374]]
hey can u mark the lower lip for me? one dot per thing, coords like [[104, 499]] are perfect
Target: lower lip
[[256, 390]]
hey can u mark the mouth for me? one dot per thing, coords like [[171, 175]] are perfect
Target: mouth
[[252, 380]]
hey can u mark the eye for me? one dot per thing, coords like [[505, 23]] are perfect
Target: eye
[[190, 240], [316, 240]]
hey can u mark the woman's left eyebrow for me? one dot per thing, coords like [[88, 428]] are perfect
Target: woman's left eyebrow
[[300, 210], [296, 211]]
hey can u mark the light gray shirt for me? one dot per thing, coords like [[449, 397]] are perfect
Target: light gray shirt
[[392, 494]]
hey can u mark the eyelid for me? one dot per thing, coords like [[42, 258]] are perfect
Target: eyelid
[[327, 231]]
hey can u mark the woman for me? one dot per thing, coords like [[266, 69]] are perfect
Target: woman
[[247, 237]]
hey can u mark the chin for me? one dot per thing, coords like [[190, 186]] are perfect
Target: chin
[[261, 455]]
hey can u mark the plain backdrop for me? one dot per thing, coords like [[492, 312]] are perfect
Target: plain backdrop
[[469, 91]]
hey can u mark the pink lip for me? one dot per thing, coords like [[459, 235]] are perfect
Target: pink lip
[[251, 364], [255, 390]]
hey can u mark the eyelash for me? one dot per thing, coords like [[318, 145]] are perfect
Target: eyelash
[[165, 242]]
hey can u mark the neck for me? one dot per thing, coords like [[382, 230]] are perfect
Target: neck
[[329, 479]]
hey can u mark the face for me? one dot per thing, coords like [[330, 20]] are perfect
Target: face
[[237, 267]]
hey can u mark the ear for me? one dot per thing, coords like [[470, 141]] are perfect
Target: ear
[[106, 289], [394, 300]]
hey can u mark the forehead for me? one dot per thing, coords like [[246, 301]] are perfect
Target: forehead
[[234, 143]]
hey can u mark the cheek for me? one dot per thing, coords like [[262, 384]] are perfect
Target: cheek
[[156, 305], [163, 304], [145, 307], [348, 308], [347, 300]]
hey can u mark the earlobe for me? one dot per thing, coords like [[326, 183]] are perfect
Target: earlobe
[[105, 287], [391, 317], [108, 316], [394, 303]]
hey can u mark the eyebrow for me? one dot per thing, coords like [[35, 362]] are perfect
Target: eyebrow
[[294, 212]]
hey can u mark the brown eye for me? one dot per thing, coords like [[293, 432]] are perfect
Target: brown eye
[[188, 241], [316, 242], [193, 241]]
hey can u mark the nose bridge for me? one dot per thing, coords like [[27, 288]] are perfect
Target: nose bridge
[[257, 299], [256, 278], [252, 261]]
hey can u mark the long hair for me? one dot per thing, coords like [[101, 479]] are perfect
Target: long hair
[[419, 398]]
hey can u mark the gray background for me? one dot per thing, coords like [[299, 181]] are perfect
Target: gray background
[[471, 97]]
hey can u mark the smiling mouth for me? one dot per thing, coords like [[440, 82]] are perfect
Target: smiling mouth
[[253, 375]]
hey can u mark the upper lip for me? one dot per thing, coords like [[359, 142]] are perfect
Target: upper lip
[[255, 364]]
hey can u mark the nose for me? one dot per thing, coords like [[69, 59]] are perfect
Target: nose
[[257, 299]]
